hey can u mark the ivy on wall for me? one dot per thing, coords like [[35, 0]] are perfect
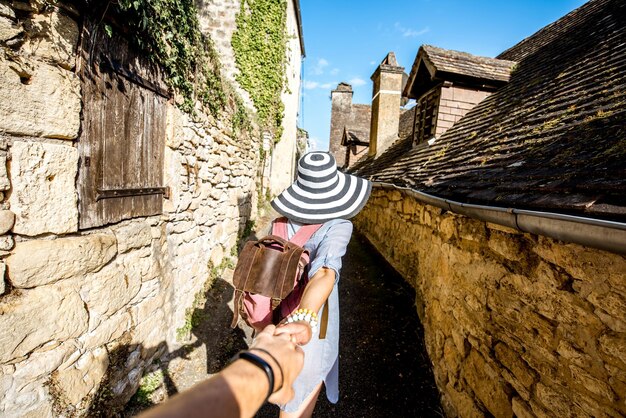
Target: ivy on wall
[[260, 46], [169, 33]]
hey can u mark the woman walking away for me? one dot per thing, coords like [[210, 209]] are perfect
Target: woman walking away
[[320, 195]]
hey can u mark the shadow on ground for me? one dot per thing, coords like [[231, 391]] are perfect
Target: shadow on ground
[[384, 370]]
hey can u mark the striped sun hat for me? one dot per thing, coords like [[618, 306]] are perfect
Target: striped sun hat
[[321, 193]]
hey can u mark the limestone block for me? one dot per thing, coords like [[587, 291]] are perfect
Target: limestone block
[[3, 268], [584, 263], [574, 355], [110, 289], [556, 402], [6, 10], [512, 361], [614, 346], [78, 380], [521, 409], [133, 235], [44, 197], [39, 262], [593, 384], [47, 105], [7, 219], [486, 384], [4, 176], [6, 243], [505, 245], [36, 316], [610, 321], [8, 29], [52, 36], [42, 363], [106, 330], [463, 405], [28, 400]]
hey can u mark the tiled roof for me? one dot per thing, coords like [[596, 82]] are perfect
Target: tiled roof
[[457, 62], [440, 64], [553, 138]]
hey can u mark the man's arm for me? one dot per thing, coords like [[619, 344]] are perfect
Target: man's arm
[[241, 388]]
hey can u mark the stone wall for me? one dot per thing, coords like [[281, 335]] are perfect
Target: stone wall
[[84, 312], [217, 18], [284, 156], [515, 324]]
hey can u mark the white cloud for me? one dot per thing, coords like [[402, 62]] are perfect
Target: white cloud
[[310, 85], [334, 71], [412, 33], [372, 62], [356, 82], [320, 66], [328, 86]]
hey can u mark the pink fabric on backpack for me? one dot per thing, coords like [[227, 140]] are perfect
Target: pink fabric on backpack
[[259, 307]]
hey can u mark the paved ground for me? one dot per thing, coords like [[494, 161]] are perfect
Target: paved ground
[[384, 369]]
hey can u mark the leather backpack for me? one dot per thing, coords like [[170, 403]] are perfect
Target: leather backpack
[[270, 276]]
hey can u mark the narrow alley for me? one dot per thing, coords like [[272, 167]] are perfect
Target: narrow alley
[[384, 368]]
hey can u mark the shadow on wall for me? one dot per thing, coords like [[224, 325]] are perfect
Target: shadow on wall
[[211, 329], [246, 225]]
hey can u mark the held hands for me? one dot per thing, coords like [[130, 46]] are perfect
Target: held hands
[[290, 356], [300, 332]]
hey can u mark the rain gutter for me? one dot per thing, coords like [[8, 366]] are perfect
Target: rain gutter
[[596, 233]]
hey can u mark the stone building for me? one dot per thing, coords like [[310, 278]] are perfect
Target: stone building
[[218, 19], [116, 206], [511, 224]]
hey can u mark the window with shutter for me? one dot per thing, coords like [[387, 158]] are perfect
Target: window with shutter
[[426, 116], [122, 141]]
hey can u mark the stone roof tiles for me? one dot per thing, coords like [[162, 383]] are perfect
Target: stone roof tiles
[[434, 65], [458, 62], [553, 138]]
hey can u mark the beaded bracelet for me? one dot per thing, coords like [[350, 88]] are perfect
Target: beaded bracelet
[[305, 315]]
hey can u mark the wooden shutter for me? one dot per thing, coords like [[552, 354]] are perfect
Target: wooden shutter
[[426, 116], [122, 140]]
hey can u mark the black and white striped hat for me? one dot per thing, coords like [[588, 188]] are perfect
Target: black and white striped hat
[[321, 193]]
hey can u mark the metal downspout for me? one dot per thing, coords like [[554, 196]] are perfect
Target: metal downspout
[[596, 233]]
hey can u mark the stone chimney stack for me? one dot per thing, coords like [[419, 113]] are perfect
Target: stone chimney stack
[[386, 97], [340, 114]]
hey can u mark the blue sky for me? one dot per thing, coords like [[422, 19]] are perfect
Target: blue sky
[[346, 40]]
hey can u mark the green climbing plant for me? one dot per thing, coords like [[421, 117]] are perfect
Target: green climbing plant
[[169, 33], [260, 46]]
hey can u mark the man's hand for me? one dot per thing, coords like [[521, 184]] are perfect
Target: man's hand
[[287, 353]]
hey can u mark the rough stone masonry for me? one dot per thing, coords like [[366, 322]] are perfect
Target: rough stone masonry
[[515, 324], [83, 312]]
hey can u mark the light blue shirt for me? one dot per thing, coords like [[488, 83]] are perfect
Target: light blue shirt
[[321, 357]]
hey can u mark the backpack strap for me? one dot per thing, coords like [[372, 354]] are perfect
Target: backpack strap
[[279, 228], [302, 235]]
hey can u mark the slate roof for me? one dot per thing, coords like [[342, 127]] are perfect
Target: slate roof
[[553, 138], [444, 64]]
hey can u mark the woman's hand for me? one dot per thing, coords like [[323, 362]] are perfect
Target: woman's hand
[[299, 331]]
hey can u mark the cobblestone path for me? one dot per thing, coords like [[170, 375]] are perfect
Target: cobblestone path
[[384, 369]]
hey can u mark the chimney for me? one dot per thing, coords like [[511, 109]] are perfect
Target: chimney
[[386, 97], [341, 110]]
